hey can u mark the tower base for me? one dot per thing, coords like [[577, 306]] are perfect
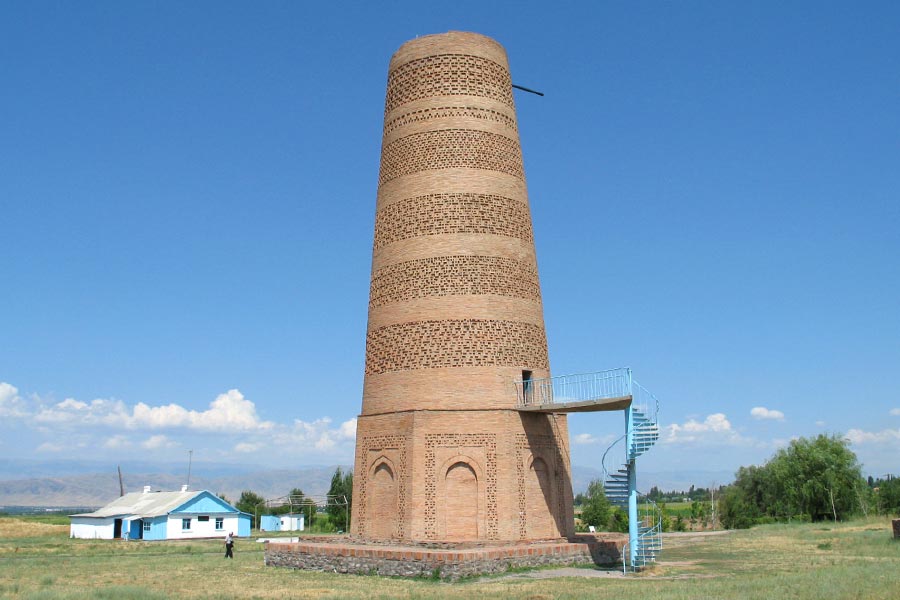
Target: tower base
[[430, 476], [464, 560]]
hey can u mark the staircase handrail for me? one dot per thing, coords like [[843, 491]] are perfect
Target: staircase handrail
[[603, 459], [652, 534], [600, 385], [656, 530], [645, 401]]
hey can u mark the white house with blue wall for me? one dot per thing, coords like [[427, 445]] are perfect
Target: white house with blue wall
[[152, 515], [289, 522]]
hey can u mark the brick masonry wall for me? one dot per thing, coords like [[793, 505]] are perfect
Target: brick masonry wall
[[448, 564], [512, 495], [455, 315]]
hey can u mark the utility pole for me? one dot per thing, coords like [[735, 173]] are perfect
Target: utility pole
[[190, 457], [121, 485]]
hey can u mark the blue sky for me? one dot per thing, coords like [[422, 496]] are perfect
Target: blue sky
[[187, 193]]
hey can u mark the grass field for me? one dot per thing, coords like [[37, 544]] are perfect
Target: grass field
[[819, 560]]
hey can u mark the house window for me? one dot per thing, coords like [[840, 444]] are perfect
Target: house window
[[185, 524], [220, 523], [203, 518], [146, 526]]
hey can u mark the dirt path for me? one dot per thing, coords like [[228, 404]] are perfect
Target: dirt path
[[566, 572], [682, 536]]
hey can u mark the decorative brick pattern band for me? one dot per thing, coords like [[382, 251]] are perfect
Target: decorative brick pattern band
[[455, 343], [454, 276], [445, 112], [436, 214], [448, 75], [450, 148]]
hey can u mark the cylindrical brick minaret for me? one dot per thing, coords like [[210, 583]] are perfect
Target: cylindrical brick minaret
[[455, 315]]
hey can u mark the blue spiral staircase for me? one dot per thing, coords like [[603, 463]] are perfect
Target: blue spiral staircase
[[644, 517], [609, 391]]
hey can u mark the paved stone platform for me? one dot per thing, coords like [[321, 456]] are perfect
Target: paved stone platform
[[449, 561]]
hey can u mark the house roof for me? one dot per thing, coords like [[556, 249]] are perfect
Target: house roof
[[145, 504]]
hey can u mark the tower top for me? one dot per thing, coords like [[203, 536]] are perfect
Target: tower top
[[452, 42]]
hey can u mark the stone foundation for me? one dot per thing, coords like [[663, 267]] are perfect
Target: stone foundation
[[896, 524], [351, 556]]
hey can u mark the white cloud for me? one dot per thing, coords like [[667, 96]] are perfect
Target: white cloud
[[895, 412], [716, 428], [820, 423], [763, 413], [886, 436], [107, 424], [228, 412], [110, 413], [318, 436], [155, 442], [11, 404], [50, 447], [585, 439], [246, 447], [347, 429], [7, 392], [117, 442]]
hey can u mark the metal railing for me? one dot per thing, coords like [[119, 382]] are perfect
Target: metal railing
[[644, 401], [649, 542], [603, 385], [618, 459]]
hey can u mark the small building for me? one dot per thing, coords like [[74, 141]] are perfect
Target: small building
[[152, 515], [289, 522]]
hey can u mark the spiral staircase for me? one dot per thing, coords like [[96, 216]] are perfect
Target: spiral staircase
[[611, 391]]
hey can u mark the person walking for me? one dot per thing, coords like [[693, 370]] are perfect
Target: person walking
[[229, 545]]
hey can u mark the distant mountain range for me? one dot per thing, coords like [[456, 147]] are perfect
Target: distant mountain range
[[86, 483]]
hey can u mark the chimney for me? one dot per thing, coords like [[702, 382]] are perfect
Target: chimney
[[146, 489]]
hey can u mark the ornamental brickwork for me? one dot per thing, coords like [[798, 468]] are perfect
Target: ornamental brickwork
[[455, 316]]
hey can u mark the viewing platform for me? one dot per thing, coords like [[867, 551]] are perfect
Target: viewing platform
[[614, 389]]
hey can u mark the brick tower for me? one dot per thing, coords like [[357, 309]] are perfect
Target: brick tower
[[455, 316]]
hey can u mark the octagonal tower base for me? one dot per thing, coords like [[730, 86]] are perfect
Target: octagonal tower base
[[447, 561]]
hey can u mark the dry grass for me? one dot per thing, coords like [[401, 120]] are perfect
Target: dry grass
[[856, 560], [12, 528]]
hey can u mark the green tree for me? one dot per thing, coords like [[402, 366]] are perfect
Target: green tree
[[889, 495], [734, 509], [290, 503], [819, 478], [341, 489], [596, 507], [249, 501], [618, 520], [812, 479]]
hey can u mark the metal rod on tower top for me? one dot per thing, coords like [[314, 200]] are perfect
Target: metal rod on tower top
[[525, 89]]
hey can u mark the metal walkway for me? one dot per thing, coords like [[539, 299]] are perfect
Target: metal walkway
[[614, 389]]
